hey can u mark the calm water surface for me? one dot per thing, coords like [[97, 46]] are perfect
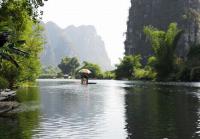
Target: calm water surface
[[64, 109]]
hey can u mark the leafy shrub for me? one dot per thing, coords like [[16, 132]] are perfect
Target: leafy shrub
[[96, 72], [126, 67], [3, 83], [109, 75], [164, 44], [147, 73]]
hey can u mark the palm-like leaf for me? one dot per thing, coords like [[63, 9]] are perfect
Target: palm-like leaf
[[176, 39], [17, 51], [3, 38], [7, 57], [9, 48]]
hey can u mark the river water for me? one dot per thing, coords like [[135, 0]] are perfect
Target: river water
[[65, 109]]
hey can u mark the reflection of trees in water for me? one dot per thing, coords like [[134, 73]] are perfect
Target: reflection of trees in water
[[28, 121], [155, 112], [21, 125], [28, 94]]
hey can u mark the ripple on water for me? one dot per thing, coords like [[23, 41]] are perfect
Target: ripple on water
[[110, 110], [84, 111]]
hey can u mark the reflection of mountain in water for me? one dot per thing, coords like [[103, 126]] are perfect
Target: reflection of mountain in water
[[157, 112], [82, 42]]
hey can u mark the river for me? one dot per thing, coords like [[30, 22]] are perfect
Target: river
[[65, 109]]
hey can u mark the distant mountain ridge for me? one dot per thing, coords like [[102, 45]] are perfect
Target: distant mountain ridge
[[82, 42]]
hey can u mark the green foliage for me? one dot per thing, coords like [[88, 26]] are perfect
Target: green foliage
[[28, 6], [194, 56], [131, 68], [28, 94], [151, 61], [30, 67], [188, 69], [146, 73], [165, 62], [164, 45], [126, 67], [109, 75], [69, 65], [3, 83], [9, 72], [50, 72], [18, 20], [60, 75], [191, 66], [94, 68], [47, 76], [31, 114]]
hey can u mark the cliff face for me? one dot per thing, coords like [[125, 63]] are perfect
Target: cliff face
[[56, 46], [160, 13], [87, 45], [81, 42]]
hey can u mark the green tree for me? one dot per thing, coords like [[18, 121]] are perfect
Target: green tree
[[18, 19], [194, 56], [28, 68], [29, 6], [69, 65], [50, 70], [109, 75], [164, 45], [94, 68], [148, 72], [191, 70], [126, 67], [3, 83]]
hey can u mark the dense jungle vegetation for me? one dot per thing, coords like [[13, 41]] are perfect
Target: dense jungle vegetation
[[165, 64], [21, 42]]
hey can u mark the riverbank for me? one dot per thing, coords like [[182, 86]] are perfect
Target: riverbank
[[7, 101], [8, 106], [7, 95]]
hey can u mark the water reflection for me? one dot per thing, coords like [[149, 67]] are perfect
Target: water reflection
[[71, 110], [21, 124], [156, 112], [107, 110]]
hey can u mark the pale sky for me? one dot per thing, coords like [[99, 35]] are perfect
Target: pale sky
[[108, 16]]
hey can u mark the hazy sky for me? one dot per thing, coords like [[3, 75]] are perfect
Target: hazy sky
[[108, 16]]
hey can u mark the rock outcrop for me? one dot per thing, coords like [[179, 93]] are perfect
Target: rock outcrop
[[160, 13]]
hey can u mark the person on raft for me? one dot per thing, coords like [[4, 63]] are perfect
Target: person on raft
[[84, 78]]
